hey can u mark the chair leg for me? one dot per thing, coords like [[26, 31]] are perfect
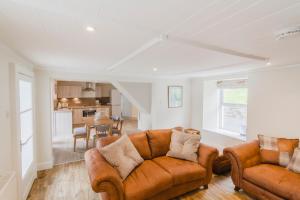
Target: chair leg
[[87, 143], [236, 188], [74, 143], [94, 141]]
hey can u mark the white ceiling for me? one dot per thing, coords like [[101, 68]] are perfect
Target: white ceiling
[[51, 34]]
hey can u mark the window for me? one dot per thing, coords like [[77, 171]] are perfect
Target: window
[[26, 124], [232, 111]]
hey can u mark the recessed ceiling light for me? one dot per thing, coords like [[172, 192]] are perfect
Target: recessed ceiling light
[[154, 69], [90, 29], [268, 63]]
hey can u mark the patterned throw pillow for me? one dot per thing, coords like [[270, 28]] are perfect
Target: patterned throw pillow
[[276, 150], [184, 146], [294, 164], [122, 155]]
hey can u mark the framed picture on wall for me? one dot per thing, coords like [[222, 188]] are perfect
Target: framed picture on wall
[[175, 96]]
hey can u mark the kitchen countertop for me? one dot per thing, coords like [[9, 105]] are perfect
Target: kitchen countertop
[[81, 107], [96, 106]]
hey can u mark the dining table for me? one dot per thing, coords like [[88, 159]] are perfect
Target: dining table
[[91, 122]]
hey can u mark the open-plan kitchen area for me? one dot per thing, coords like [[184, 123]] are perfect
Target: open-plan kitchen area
[[85, 111]]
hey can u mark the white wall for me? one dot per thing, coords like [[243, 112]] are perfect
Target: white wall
[[7, 58], [274, 103], [197, 106], [9, 145], [137, 93], [210, 105], [164, 117], [5, 133], [44, 120], [126, 107]]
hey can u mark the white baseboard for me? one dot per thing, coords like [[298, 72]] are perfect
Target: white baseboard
[[45, 165], [28, 186]]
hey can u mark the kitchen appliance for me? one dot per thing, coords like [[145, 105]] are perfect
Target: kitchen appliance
[[88, 113], [89, 87], [115, 103]]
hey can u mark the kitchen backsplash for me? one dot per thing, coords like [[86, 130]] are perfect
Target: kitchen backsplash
[[84, 101]]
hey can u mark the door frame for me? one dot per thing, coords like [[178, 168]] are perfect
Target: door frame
[[20, 72]]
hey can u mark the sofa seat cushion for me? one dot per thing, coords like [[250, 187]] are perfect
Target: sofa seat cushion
[[146, 181], [275, 179], [182, 171]]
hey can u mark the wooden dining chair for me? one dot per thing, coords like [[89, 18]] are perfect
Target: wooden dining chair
[[102, 130], [116, 121], [80, 132], [118, 130]]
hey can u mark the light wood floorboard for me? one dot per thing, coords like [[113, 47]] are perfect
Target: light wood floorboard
[[71, 182], [63, 147]]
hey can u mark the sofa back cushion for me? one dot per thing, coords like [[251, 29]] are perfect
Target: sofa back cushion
[[277, 150], [159, 141], [139, 140]]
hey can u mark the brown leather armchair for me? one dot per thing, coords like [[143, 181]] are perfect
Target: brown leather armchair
[[158, 177], [262, 181]]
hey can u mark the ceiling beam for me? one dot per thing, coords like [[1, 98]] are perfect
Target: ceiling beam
[[188, 42], [214, 48], [138, 51]]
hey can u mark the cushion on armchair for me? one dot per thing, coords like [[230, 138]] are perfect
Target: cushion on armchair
[[122, 155], [276, 150], [294, 164]]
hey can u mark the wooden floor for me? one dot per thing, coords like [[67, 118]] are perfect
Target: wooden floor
[[63, 147], [71, 182]]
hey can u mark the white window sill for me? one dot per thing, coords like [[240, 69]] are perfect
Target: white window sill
[[227, 133]]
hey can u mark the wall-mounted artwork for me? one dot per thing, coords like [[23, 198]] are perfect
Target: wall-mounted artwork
[[175, 96]]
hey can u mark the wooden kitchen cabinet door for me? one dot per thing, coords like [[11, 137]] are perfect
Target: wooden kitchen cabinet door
[[106, 90], [69, 91], [98, 91], [75, 91], [77, 116]]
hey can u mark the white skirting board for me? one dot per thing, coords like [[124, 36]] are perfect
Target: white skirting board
[[8, 189], [45, 165]]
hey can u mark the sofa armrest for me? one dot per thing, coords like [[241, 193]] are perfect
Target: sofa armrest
[[207, 156], [242, 156], [103, 177]]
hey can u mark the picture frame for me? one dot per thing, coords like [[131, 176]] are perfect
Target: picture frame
[[175, 96]]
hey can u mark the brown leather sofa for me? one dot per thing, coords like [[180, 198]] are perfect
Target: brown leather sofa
[[158, 177], [262, 181]]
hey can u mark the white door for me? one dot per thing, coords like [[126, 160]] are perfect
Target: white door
[[26, 130]]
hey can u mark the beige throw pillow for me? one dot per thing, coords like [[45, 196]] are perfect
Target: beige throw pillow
[[184, 146], [122, 155]]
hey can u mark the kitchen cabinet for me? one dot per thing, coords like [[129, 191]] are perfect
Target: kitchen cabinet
[[98, 91], [77, 116], [106, 90], [88, 94], [69, 91]]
